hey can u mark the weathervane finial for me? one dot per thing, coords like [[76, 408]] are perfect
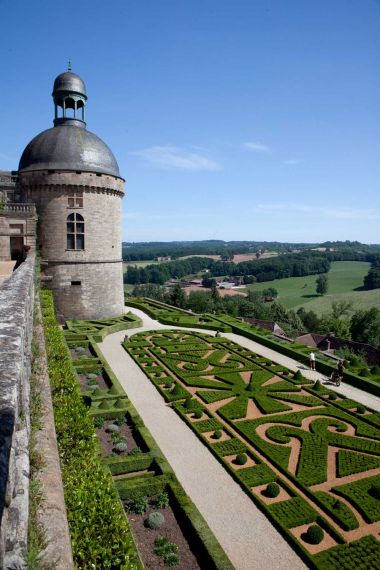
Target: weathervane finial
[[69, 66]]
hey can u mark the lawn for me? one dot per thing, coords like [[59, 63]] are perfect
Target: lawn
[[344, 277]]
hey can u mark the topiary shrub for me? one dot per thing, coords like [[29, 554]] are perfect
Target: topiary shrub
[[120, 447], [364, 372], [154, 520], [241, 459], [177, 390], [198, 414], [375, 370], [375, 491], [318, 386], [217, 434], [298, 375], [333, 396], [188, 403], [314, 534], [272, 490], [360, 409], [112, 428], [168, 384]]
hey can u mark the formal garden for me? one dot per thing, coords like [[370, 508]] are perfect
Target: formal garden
[[308, 457]]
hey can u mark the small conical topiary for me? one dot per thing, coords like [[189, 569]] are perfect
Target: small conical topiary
[[364, 372], [318, 386], [375, 370], [177, 390], [188, 403], [298, 375]]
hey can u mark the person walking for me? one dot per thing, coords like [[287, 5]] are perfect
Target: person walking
[[312, 360]]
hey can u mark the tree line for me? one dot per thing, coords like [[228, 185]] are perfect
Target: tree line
[[260, 270]]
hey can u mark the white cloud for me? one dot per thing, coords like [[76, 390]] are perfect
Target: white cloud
[[257, 147], [170, 157], [292, 161]]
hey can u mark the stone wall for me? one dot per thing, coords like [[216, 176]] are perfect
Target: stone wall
[[16, 331]]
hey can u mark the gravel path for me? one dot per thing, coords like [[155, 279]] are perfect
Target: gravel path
[[246, 535]]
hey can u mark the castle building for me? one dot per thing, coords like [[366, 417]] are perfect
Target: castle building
[[72, 179]]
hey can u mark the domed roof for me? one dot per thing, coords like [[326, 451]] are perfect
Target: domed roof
[[68, 147], [69, 81]]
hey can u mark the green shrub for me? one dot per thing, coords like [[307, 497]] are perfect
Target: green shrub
[[198, 414], [135, 451], [155, 520], [138, 505], [99, 422], [318, 386], [217, 434], [120, 447], [314, 534], [360, 409], [98, 527], [375, 370], [298, 375], [162, 546], [375, 491], [364, 372], [171, 559], [112, 428], [188, 403], [241, 459], [162, 500], [333, 396], [272, 490]]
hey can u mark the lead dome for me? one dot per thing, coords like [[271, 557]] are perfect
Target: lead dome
[[69, 145]]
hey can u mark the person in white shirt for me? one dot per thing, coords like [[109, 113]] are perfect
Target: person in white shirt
[[312, 360]]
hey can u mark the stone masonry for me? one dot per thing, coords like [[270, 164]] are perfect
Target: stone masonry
[[16, 330]]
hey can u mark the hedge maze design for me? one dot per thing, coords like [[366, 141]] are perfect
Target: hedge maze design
[[266, 425]]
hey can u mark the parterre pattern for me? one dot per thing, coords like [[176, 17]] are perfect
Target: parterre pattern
[[324, 454]]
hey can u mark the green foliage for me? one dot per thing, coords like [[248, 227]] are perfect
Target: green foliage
[[98, 527], [256, 475], [217, 434], [337, 510], [360, 409], [321, 285], [120, 447], [293, 512], [198, 414], [375, 490], [365, 326], [318, 386], [350, 462], [229, 447], [168, 550], [314, 534], [272, 490], [362, 553], [241, 459], [138, 505], [333, 396], [162, 500], [155, 520], [359, 493]]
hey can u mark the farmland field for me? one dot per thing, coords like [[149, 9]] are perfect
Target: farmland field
[[344, 277]]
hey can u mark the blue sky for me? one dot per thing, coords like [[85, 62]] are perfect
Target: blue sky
[[255, 119]]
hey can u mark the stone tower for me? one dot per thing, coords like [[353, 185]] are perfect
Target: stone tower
[[73, 178]]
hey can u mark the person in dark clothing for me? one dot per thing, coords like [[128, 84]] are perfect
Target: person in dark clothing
[[22, 255]]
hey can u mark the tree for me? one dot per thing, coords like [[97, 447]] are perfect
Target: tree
[[214, 292], [178, 296], [365, 326], [270, 294], [340, 308], [321, 284]]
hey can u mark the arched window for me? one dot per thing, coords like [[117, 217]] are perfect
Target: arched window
[[75, 231]]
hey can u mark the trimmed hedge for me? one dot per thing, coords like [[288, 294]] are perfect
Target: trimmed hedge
[[100, 535]]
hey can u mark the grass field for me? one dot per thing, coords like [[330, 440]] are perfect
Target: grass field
[[344, 277]]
